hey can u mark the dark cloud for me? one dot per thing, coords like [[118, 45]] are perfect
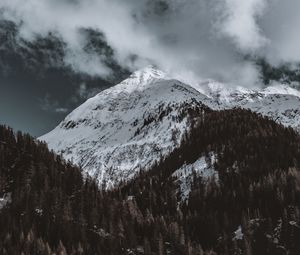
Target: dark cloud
[[37, 87]]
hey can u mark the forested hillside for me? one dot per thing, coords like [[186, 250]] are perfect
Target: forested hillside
[[252, 208]]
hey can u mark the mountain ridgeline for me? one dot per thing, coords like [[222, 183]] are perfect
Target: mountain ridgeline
[[250, 206]]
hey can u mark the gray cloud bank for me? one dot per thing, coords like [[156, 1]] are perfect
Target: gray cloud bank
[[195, 39]]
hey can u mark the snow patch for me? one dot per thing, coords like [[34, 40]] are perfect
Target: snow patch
[[5, 200], [238, 234], [39, 211], [203, 167]]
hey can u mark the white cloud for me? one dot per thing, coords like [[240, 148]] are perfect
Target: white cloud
[[238, 20]]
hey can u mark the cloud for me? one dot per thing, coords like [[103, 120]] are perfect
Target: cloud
[[238, 20], [83, 93], [198, 39], [281, 26], [50, 105], [61, 110]]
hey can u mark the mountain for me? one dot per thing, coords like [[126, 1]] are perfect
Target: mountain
[[144, 118], [239, 172], [127, 127]]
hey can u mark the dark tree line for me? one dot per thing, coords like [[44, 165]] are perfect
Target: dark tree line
[[54, 210]]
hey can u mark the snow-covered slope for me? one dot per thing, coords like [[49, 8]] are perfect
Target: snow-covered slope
[[126, 127], [279, 102]]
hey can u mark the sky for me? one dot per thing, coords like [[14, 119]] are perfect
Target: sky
[[191, 39]]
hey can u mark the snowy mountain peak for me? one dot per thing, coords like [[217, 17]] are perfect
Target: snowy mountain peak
[[139, 80], [146, 75]]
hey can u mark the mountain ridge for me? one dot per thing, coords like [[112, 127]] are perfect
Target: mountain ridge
[[278, 102]]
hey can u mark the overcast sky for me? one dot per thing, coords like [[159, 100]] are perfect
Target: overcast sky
[[194, 39]]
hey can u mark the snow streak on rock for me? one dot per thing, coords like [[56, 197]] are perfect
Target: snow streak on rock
[[203, 167]]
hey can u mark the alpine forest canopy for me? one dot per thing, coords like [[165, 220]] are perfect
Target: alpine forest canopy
[[252, 208]]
